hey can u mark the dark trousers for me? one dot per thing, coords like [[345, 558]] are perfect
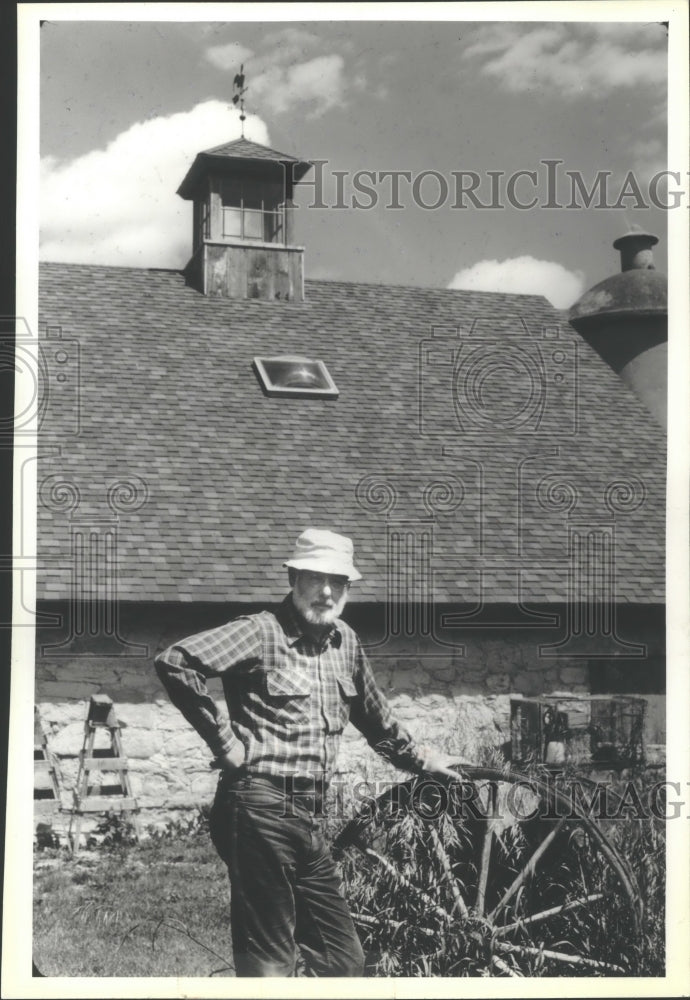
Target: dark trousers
[[284, 887]]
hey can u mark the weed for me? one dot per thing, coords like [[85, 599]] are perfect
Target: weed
[[45, 838], [427, 903], [194, 825], [113, 831]]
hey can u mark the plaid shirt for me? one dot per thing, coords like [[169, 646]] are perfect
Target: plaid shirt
[[289, 696]]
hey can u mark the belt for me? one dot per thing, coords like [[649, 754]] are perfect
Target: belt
[[304, 793], [287, 784], [291, 784]]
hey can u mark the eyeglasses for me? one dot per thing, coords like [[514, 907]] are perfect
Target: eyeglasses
[[324, 579]]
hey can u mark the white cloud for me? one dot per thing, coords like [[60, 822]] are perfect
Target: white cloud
[[523, 275], [289, 45], [228, 57], [572, 60], [287, 73], [320, 82], [118, 205]]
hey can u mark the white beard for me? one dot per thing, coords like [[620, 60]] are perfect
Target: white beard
[[317, 615]]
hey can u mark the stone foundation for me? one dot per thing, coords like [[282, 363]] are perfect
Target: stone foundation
[[446, 699]]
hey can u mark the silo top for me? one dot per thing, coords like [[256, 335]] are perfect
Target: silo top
[[640, 293], [638, 290]]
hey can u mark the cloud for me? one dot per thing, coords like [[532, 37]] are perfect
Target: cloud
[[320, 82], [118, 205], [523, 275], [290, 44], [572, 60], [228, 57], [288, 73]]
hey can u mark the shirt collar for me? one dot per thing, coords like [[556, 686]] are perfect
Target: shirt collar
[[292, 624]]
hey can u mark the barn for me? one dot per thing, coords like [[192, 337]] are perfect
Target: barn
[[499, 464]]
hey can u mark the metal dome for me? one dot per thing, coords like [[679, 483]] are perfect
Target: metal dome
[[637, 291], [631, 293]]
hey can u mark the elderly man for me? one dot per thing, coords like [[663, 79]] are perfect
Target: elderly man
[[292, 680]]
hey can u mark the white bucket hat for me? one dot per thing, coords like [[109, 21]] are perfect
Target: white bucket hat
[[324, 552]]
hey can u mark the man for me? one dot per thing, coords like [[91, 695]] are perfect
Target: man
[[291, 681]]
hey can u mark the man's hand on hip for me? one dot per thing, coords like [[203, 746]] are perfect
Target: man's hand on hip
[[230, 761]]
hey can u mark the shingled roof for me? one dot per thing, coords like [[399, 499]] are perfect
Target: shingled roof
[[229, 155], [508, 463], [246, 149]]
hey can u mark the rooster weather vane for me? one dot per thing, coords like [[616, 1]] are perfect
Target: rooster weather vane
[[238, 97]]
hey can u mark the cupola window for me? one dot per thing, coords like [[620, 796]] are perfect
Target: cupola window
[[253, 210]]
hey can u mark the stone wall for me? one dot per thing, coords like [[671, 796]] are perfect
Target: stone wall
[[448, 697]]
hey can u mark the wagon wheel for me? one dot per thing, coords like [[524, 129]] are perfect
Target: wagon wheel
[[489, 872]]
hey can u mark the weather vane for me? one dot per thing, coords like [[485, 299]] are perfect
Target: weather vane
[[238, 97]]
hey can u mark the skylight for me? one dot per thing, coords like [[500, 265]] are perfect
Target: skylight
[[290, 375]]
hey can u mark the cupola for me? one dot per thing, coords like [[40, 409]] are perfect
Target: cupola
[[243, 241], [625, 319]]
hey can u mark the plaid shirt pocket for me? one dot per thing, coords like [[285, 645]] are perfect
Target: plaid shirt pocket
[[287, 696]]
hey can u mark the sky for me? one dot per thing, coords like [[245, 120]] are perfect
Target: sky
[[125, 107]]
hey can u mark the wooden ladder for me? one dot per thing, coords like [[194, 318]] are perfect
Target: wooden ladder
[[46, 781], [115, 794]]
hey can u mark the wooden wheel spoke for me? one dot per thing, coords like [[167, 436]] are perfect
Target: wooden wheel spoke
[[554, 911], [480, 902], [503, 967], [482, 882], [444, 861], [528, 869], [556, 956]]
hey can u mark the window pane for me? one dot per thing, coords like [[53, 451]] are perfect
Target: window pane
[[253, 225], [296, 374], [232, 222]]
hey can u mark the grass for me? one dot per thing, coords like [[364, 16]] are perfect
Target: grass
[[160, 908]]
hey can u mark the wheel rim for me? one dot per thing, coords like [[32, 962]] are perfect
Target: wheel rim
[[504, 896]]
